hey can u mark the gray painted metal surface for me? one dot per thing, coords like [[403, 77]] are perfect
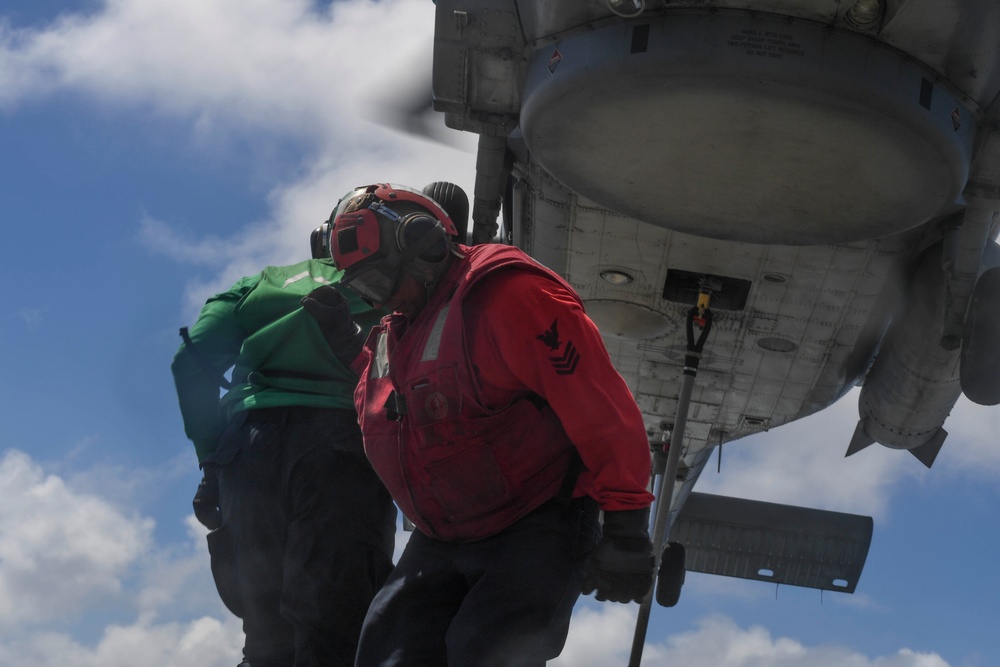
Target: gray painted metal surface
[[709, 124], [780, 544], [831, 167]]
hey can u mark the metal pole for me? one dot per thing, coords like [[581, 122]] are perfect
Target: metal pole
[[663, 497], [665, 494]]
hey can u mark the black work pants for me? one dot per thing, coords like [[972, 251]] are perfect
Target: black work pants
[[502, 601], [313, 533]]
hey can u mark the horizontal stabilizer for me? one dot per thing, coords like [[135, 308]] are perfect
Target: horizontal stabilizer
[[860, 440], [927, 452], [782, 544]]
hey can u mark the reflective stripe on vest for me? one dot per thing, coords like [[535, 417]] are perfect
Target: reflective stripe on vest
[[433, 346]]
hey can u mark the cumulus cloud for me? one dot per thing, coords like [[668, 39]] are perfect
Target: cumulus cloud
[[205, 641], [224, 64], [162, 239], [65, 550], [299, 206], [803, 463], [227, 68], [59, 550], [32, 317], [971, 448], [604, 637], [66, 553], [238, 70], [234, 73]]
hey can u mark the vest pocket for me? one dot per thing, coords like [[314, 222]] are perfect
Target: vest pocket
[[468, 483], [436, 399]]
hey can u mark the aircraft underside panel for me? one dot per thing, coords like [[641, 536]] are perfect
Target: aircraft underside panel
[[751, 100], [956, 38], [781, 544], [809, 329], [825, 173]]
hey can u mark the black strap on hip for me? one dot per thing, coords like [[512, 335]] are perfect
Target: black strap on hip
[[565, 495]]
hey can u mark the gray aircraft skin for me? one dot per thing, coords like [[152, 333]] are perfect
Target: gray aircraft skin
[[825, 174]]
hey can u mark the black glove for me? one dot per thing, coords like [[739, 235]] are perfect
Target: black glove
[[206, 499], [333, 314], [621, 566]]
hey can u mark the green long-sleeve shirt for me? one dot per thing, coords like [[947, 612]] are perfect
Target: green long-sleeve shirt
[[277, 352]]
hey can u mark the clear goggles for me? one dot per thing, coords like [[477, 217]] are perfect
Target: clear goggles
[[377, 280], [372, 262], [375, 277]]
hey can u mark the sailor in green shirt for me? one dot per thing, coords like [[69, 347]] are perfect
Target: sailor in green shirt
[[302, 528]]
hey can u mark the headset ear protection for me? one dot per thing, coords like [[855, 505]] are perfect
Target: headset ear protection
[[372, 241], [422, 236], [319, 241]]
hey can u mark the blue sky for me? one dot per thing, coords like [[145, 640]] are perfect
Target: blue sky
[[153, 151]]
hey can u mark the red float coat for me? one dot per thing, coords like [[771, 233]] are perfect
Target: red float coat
[[471, 412]]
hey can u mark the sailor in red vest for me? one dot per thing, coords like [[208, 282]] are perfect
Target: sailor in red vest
[[491, 410]]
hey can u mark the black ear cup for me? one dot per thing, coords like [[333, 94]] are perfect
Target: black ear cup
[[425, 235], [455, 203], [319, 241]]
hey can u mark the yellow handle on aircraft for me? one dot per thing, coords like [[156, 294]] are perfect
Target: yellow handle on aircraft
[[703, 299]]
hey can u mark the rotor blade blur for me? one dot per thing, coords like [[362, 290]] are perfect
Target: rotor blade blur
[[405, 104]]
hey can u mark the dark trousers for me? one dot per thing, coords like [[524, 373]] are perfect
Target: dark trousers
[[313, 533], [502, 601]]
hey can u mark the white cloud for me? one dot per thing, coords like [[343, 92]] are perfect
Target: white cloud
[[228, 65], [301, 206], [177, 582], [971, 448], [803, 463], [205, 641], [604, 637], [239, 70], [66, 554], [599, 637], [60, 550], [123, 486], [32, 317], [161, 239], [236, 73], [179, 620]]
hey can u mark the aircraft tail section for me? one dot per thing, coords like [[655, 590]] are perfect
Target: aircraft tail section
[[860, 439], [927, 452], [781, 544]]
